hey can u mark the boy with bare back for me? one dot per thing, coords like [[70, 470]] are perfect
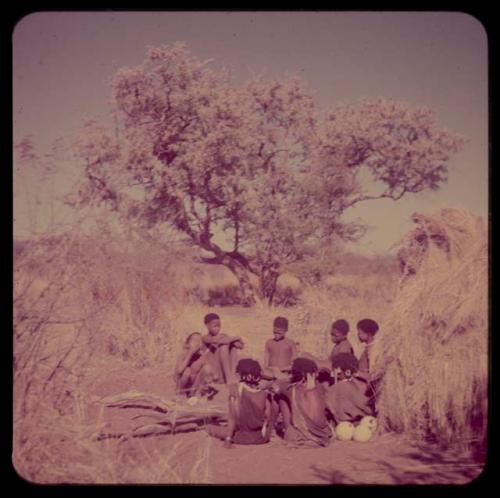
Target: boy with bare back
[[279, 351], [249, 409], [303, 406], [347, 400]]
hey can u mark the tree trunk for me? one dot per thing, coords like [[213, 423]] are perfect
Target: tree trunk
[[241, 273], [239, 267], [269, 283]]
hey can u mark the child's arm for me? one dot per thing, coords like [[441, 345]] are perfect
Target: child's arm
[[267, 409], [209, 339], [238, 343], [267, 383], [224, 340], [213, 341], [266, 355], [231, 419], [294, 352], [233, 341], [186, 357], [183, 362], [268, 419], [220, 339]]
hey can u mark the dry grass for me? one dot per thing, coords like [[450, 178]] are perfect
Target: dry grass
[[433, 348], [78, 310], [99, 316]]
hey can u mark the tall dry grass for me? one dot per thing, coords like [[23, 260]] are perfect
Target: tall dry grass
[[432, 351], [96, 315], [83, 306]]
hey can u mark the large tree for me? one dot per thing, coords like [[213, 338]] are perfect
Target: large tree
[[256, 165]]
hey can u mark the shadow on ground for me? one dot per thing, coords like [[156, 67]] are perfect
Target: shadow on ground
[[418, 465]]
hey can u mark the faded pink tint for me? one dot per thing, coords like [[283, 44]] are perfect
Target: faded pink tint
[[63, 61]]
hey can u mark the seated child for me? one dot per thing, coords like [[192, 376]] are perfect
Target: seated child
[[221, 355], [338, 335], [249, 409], [303, 406], [346, 399], [279, 351], [367, 329], [190, 364]]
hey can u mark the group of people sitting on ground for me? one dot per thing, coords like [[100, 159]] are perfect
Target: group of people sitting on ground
[[298, 396]]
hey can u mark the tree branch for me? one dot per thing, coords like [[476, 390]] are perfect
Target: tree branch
[[211, 261], [236, 234], [384, 195]]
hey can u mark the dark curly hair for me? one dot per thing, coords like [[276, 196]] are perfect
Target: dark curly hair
[[249, 370], [368, 325], [301, 367], [211, 316], [341, 325], [345, 361]]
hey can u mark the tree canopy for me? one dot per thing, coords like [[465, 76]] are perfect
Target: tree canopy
[[257, 163]]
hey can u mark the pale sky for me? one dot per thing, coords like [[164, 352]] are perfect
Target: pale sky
[[62, 63]]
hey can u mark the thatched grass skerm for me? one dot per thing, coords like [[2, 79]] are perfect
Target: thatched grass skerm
[[432, 350]]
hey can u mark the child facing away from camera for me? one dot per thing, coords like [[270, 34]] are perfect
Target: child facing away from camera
[[303, 407], [346, 400], [249, 409], [279, 351]]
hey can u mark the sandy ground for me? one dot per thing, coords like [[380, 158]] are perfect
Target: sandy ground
[[194, 457]]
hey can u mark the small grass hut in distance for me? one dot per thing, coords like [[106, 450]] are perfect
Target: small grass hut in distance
[[432, 351]]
